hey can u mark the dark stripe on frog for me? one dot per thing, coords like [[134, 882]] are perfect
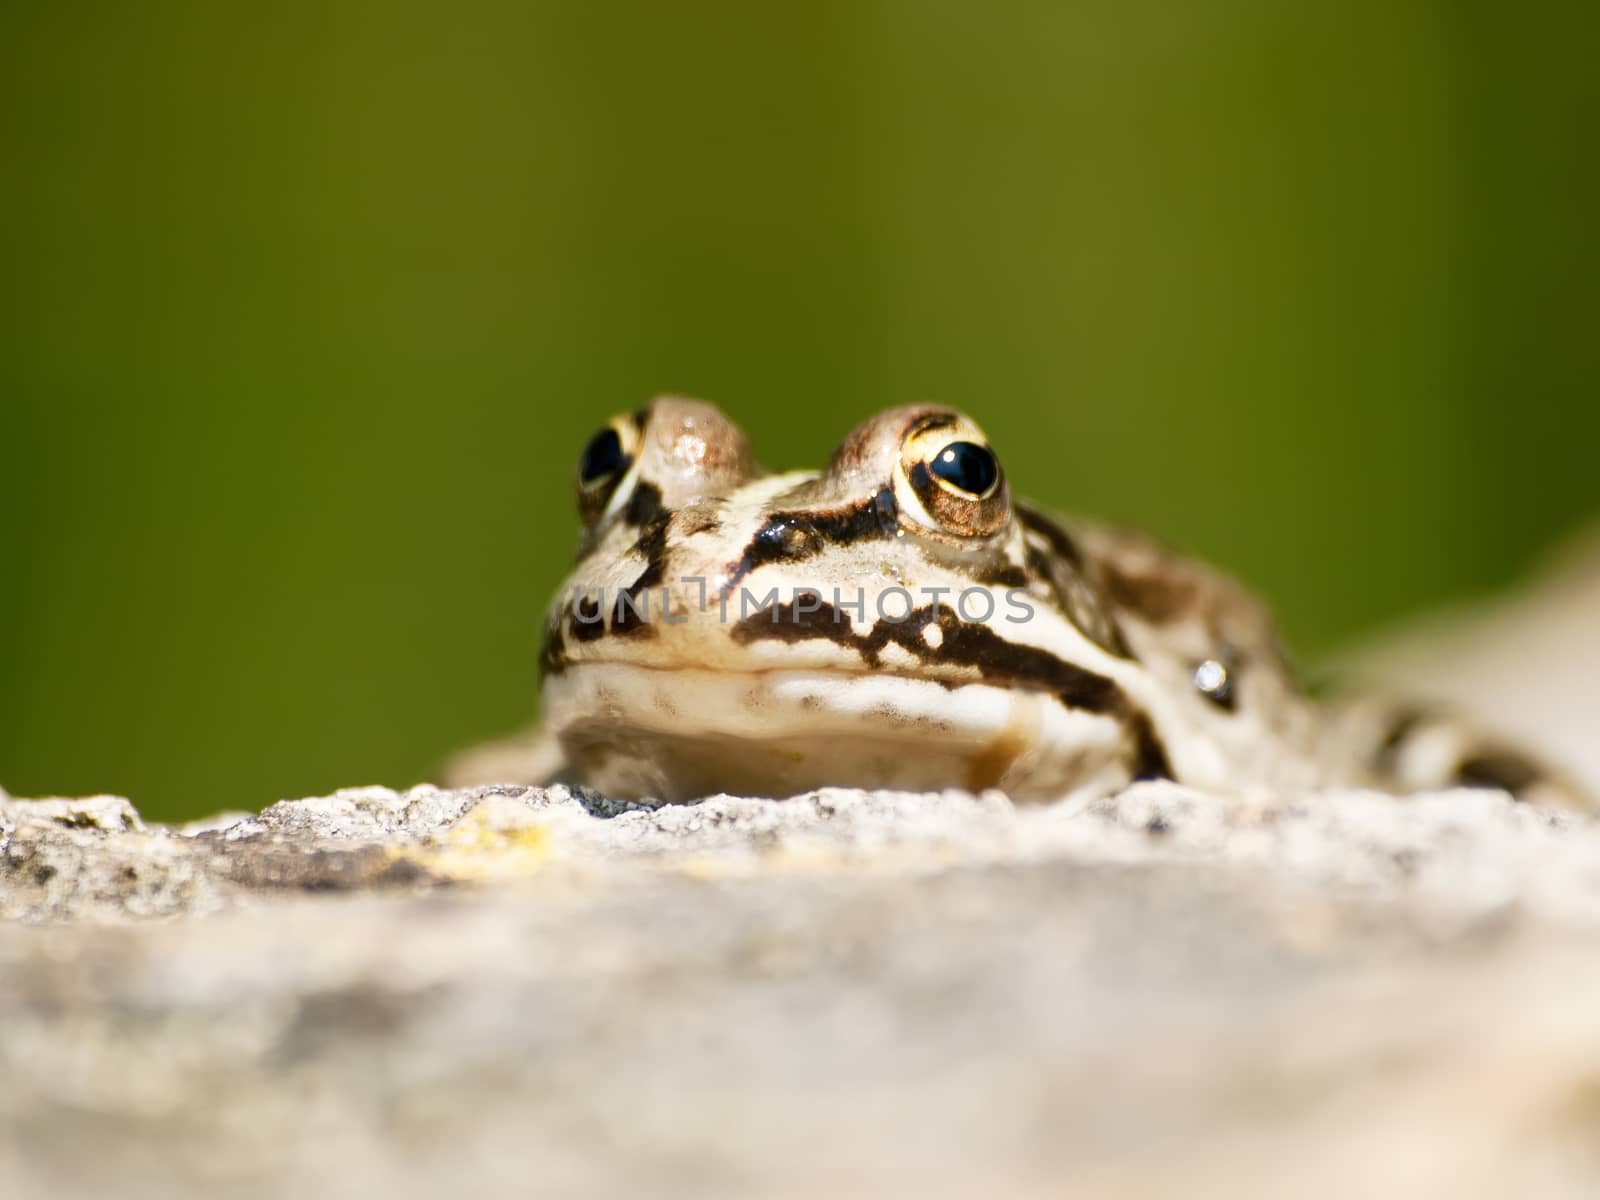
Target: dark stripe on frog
[[1010, 664], [933, 424], [634, 612], [1061, 545], [1150, 756], [964, 644], [1403, 724], [1038, 562], [652, 547], [553, 650], [1156, 597], [797, 536], [644, 505], [630, 612], [592, 502], [790, 622], [1502, 770], [1506, 770], [1007, 576], [1076, 597], [586, 621], [698, 518]]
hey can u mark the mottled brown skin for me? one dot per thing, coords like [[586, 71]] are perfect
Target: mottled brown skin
[[1136, 662]]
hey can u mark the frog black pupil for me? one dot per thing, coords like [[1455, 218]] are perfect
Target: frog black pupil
[[967, 466], [601, 457]]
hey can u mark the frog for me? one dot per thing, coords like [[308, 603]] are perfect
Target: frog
[[900, 619]]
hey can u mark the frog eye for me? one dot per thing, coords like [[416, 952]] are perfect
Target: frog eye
[[602, 458], [605, 464], [955, 484], [968, 468]]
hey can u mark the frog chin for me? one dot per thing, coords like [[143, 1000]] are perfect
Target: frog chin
[[677, 735]]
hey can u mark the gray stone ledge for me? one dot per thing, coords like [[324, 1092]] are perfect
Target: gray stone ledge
[[505, 991], [1466, 851]]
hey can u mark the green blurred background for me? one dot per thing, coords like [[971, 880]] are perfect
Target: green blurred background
[[308, 310]]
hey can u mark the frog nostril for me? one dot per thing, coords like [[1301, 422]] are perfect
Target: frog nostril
[[967, 466]]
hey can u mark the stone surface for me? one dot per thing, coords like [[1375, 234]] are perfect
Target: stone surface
[[536, 991], [504, 991]]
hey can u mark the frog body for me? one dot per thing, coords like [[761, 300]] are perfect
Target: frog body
[[899, 619]]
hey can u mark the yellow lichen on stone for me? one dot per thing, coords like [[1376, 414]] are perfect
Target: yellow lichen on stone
[[489, 842]]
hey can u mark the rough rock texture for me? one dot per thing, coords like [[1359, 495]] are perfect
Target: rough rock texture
[[504, 991], [536, 992]]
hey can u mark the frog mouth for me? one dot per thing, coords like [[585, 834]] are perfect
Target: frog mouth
[[683, 733]]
